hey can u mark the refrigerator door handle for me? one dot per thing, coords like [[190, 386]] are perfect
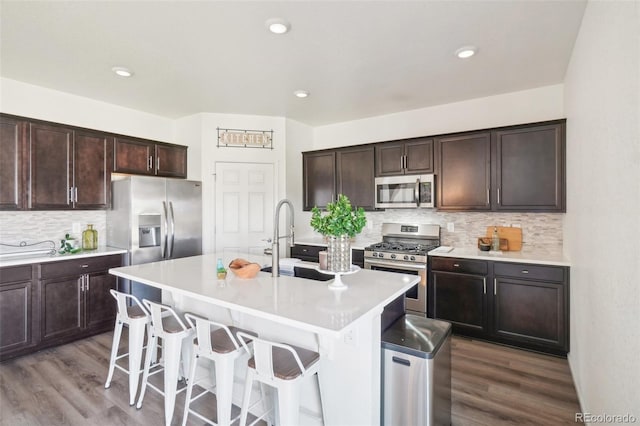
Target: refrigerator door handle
[[165, 249], [173, 230]]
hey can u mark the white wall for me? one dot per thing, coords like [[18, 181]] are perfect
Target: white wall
[[299, 139], [602, 224], [527, 106], [45, 104], [204, 126]]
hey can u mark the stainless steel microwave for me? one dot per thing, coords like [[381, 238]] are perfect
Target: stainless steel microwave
[[409, 191]]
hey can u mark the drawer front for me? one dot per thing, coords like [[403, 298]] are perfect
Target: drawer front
[[304, 251], [15, 273], [528, 271], [65, 268], [465, 266]]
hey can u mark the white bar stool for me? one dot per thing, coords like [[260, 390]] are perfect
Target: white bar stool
[[283, 367], [216, 342], [137, 319], [176, 336]]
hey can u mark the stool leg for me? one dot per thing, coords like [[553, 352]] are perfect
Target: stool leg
[[288, 404], [324, 416], [224, 385], [246, 400], [152, 341], [136, 342], [190, 383], [171, 355], [117, 332]]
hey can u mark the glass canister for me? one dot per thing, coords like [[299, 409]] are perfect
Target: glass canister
[[89, 238]]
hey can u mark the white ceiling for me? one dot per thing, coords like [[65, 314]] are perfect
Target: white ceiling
[[357, 58]]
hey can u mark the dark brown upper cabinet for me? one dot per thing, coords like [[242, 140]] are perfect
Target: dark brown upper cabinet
[[348, 171], [464, 172], [355, 177], [144, 157], [517, 168], [68, 169], [529, 173], [412, 156], [318, 178], [12, 139]]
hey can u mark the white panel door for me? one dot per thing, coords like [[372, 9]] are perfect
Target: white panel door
[[244, 207]]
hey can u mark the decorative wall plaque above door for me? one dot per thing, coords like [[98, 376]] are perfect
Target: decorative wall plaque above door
[[245, 138]]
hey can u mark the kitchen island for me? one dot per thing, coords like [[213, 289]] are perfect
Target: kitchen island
[[342, 325]]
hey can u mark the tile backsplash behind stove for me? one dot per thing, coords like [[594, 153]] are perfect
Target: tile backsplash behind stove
[[539, 230], [32, 226]]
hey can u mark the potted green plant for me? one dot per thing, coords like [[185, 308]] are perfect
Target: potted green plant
[[341, 223]]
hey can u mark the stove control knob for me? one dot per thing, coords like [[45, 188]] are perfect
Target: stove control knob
[[393, 256], [413, 258], [406, 257], [376, 254]]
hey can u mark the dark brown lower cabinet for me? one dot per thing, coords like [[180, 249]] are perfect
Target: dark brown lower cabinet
[[18, 322], [524, 305], [530, 306], [57, 303]]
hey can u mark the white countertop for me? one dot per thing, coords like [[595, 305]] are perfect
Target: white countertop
[[40, 258], [305, 304], [540, 257], [358, 243]]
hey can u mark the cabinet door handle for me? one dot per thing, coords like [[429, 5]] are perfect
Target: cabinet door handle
[[150, 163], [158, 163], [484, 285], [456, 265], [81, 281], [84, 266], [498, 195], [488, 200], [525, 271], [75, 194], [70, 196], [495, 286], [86, 288]]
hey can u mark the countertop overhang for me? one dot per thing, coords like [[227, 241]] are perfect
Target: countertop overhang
[[298, 302]]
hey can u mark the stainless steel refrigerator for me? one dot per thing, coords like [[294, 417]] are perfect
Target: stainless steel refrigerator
[[154, 219]]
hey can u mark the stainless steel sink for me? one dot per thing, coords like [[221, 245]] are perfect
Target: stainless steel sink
[[308, 273]]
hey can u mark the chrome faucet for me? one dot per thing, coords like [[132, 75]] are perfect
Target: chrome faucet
[[275, 247]]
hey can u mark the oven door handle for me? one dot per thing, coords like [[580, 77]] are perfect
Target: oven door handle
[[396, 265], [416, 193]]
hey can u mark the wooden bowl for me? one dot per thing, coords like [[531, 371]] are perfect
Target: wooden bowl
[[244, 269]]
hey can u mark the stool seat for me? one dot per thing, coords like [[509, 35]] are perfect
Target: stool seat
[[222, 343], [136, 312], [285, 366]]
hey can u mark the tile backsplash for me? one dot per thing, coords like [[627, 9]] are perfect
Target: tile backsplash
[[33, 226], [539, 230]]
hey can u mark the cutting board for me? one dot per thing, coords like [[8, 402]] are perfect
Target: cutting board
[[513, 235]]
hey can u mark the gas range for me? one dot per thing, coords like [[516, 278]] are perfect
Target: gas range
[[404, 250], [405, 243]]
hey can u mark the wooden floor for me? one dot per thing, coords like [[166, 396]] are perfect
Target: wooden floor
[[491, 385]]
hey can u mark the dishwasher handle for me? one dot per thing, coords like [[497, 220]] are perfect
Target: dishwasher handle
[[401, 361]]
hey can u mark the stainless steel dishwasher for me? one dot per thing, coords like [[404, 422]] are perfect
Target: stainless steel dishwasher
[[416, 372]]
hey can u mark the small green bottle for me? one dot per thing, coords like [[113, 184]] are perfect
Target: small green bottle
[[89, 238], [222, 272]]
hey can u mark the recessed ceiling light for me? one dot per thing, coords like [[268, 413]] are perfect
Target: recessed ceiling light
[[301, 93], [278, 25], [466, 52], [122, 72]]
